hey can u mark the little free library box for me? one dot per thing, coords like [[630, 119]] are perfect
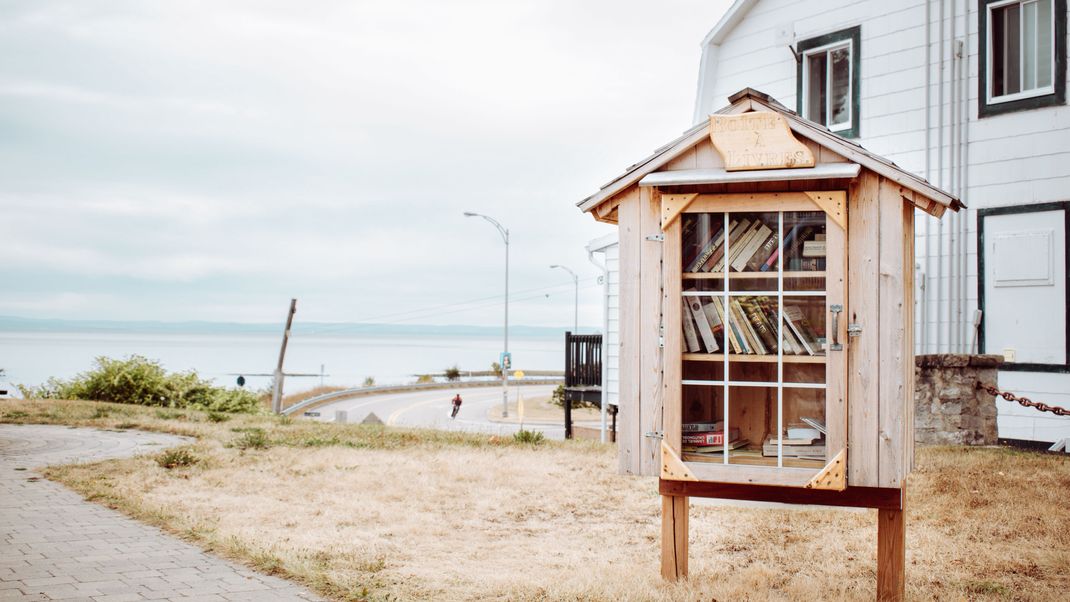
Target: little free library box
[[766, 312]]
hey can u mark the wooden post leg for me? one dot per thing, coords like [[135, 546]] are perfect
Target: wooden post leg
[[891, 555], [673, 537]]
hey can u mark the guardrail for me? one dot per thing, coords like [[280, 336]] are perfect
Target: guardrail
[[362, 391]]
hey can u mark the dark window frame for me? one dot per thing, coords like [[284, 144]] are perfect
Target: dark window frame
[[1064, 206], [854, 34], [1056, 98]]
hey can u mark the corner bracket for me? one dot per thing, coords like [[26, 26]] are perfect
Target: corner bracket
[[833, 476], [672, 467]]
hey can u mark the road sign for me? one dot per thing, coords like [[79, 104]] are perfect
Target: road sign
[[241, 381], [518, 374], [505, 360]]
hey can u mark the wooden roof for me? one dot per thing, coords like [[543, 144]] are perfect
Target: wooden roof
[[749, 99]]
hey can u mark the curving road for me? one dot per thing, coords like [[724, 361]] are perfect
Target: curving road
[[431, 409]]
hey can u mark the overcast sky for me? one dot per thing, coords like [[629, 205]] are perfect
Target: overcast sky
[[189, 160]]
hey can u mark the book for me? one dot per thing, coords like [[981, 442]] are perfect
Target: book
[[797, 230], [698, 427], [691, 343], [744, 241], [703, 324], [795, 248], [714, 449], [759, 323], [708, 438], [713, 317], [751, 248], [811, 451], [816, 423], [735, 230], [814, 248], [730, 332], [800, 431], [706, 251], [798, 323], [763, 253], [753, 340]]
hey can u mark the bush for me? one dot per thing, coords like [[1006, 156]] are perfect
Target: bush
[[526, 436], [252, 439], [453, 373], [175, 458], [558, 399], [424, 379], [369, 381], [141, 381]]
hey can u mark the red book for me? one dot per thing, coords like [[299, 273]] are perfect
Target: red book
[[708, 438]]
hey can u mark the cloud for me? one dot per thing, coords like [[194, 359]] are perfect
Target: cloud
[[202, 160]]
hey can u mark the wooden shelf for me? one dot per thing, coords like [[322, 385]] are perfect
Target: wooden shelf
[[749, 275], [749, 460], [764, 359]]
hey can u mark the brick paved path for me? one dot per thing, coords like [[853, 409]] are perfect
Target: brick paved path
[[57, 546]]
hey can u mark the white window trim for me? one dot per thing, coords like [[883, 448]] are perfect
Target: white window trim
[[1049, 89], [849, 45]]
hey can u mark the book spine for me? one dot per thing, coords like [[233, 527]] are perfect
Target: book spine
[[729, 331], [703, 325], [761, 326], [776, 253], [763, 253], [713, 263], [756, 241], [753, 343], [707, 250], [690, 336]]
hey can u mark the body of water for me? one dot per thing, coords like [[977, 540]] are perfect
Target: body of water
[[30, 358]]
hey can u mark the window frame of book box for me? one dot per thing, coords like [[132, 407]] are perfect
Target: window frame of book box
[[827, 473]]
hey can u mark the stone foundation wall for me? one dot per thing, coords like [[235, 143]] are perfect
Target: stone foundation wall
[[949, 409]]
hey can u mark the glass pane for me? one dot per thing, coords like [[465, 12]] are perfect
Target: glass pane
[[752, 414], [803, 436], [753, 241], [840, 94], [1029, 46], [703, 324], [702, 411], [1012, 64], [804, 319], [816, 69], [999, 51], [804, 256], [1044, 51]]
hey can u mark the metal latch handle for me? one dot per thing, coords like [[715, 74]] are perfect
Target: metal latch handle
[[836, 310]]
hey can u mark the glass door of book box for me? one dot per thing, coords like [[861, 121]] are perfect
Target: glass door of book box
[[755, 314]]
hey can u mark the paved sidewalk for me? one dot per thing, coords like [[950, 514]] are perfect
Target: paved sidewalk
[[57, 546]]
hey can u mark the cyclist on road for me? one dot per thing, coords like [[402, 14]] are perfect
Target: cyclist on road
[[456, 406]]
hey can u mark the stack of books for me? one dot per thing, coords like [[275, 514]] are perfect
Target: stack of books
[[752, 327], [709, 438], [805, 441], [752, 246]]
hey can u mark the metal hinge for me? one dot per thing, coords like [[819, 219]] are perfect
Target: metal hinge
[[654, 434], [656, 238], [661, 336]]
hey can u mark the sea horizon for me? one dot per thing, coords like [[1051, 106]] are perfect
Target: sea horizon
[[34, 350]]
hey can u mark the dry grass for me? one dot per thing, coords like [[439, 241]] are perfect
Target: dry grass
[[540, 409], [366, 513]]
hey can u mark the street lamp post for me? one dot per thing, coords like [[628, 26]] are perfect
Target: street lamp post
[[576, 303], [505, 373]]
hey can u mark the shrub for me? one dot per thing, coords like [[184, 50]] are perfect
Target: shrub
[[526, 436], [252, 439], [453, 373], [141, 381], [175, 458], [217, 417], [424, 378], [369, 381]]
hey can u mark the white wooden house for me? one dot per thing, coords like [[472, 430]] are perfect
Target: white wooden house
[[971, 96]]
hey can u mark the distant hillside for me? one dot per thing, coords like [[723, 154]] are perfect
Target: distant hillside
[[16, 324]]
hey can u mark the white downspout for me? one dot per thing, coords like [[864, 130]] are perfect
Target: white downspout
[[605, 338], [924, 334]]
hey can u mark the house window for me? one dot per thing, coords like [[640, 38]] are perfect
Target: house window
[[1023, 49], [828, 80]]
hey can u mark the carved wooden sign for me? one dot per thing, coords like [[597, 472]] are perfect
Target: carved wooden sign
[[758, 140]]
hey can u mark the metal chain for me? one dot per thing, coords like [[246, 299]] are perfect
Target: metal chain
[[1025, 401]]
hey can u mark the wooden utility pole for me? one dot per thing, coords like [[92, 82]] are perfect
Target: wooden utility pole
[[276, 394]]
